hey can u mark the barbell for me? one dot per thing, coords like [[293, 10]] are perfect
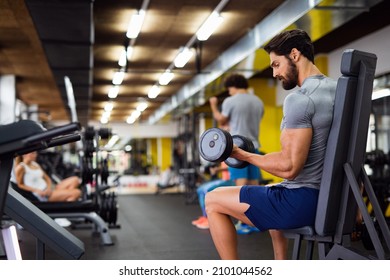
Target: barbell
[[216, 145]]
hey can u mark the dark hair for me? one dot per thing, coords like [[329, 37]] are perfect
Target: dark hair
[[284, 42], [18, 159], [237, 81]]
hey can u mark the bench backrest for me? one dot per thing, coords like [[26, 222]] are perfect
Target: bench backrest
[[346, 143]]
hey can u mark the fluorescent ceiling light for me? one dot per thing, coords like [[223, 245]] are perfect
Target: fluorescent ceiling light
[[108, 107], [113, 92], [125, 56], [105, 117], [118, 77], [380, 93], [106, 114], [135, 114], [135, 25], [183, 57], [103, 120], [142, 106], [165, 78], [154, 91], [130, 120], [209, 26], [133, 117]]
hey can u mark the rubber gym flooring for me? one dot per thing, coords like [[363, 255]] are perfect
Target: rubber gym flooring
[[155, 227]]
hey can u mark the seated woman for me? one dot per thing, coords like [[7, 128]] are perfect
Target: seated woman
[[31, 177]]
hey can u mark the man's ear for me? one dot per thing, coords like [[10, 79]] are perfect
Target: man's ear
[[294, 54]]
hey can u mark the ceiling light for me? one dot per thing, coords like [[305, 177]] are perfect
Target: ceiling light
[[125, 56], [380, 93], [113, 92], [106, 114], [133, 117], [154, 91], [209, 26], [103, 120], [130, 120], [118, 77], [165, 78], [135, 25], [142, 106], [135, 114], [183, 57], [108, 107]]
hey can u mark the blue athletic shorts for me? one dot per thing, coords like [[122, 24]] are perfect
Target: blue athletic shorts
[[277, 207], [251, 172]]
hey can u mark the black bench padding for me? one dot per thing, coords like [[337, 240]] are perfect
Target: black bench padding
[[19, 130]]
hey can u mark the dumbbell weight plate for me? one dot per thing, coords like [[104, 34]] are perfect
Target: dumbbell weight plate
[[244, 144], [215, 145]]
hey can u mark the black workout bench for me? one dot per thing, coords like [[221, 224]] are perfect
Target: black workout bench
[[344, 177], [20, 138], [84, 209]]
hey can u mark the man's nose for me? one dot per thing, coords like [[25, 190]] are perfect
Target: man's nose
[[275, 73]]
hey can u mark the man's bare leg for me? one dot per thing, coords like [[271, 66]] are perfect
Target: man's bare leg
[[222, 203], [280, 244]]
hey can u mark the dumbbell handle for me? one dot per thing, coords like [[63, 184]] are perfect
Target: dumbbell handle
[[243, 143]]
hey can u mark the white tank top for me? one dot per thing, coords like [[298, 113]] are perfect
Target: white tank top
[[33, 177]]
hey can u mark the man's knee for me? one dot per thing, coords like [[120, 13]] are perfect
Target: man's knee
[[211, 201], [208, 200], [77, 193]]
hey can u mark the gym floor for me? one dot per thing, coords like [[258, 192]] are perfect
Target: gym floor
[[155, 227]]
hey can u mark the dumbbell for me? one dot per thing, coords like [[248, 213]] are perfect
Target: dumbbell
[[216, 145]]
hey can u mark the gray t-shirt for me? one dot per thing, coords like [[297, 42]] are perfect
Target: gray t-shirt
[[244, 111], [311, 107]]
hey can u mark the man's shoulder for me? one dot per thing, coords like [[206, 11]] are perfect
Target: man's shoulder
[[250, 97], [297, 96]]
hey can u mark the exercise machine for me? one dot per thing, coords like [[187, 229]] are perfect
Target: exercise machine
[[17, 139]]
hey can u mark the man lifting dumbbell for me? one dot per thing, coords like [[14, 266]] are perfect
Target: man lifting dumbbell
[[242, 112], [307, 117]]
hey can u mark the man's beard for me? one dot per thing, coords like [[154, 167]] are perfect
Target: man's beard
[[291, 79]]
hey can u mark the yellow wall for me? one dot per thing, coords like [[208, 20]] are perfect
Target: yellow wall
[[166, 152], [321, 21], [208, 123]]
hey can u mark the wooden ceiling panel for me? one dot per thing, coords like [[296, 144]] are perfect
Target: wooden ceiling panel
[[22, 55]]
